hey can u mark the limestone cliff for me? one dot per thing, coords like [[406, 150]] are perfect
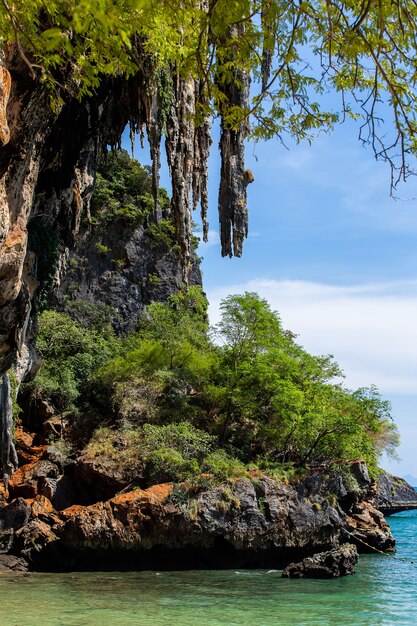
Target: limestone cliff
[[123, 258], [249, 522], [48, 164]]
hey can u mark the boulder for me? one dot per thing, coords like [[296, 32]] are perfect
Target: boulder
[[330, 564], [101, 477], [15, 515], [11, 563], [27, 479], [367, 528]]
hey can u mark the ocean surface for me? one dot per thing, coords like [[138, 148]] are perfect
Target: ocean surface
[[383, 591]]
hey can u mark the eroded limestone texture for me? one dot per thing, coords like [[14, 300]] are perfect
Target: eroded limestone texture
[[8, 450], [48, 164]]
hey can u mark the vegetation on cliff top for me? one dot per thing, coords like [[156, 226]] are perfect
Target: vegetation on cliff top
[[176, 404], [295, 52], [176, 399]]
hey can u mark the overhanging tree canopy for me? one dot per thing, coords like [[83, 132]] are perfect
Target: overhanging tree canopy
[[199, 57]]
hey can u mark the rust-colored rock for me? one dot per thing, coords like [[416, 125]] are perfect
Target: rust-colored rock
[[25, 481], [5, 85], [367, 528], [23, 439]]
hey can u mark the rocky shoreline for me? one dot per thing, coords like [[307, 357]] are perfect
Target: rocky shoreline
[[51, 521]]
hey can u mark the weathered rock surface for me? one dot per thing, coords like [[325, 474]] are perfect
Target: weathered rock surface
[[261, 518], [393, 494], [10, 563], [135, 271], [255, 522], [367, 528], [102, 477], [331, 564]]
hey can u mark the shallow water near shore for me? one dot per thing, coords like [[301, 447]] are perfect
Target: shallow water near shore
[[384, 591]]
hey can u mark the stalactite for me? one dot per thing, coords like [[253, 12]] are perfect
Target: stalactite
[[152, 103], [180, 154], [202, 144], [233, 211], [8, 451]]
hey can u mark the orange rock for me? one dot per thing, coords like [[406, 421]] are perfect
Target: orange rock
[[156, 494], [72, 510], [21, 483], [16, 239], [41, 506], [5, 85], [25, 480], [23, 438]]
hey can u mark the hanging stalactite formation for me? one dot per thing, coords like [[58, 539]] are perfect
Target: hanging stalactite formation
[[202, 144], [8, 451], [233, 211], [180, 143]]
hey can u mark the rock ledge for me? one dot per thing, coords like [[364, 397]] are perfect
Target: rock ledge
[[331, 564]]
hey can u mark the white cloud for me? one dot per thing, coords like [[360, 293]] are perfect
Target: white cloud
[[370, 329]]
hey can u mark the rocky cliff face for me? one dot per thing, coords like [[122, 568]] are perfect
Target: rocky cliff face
[[46, 173], [48, 162], [124, 268], [54, 518], [393, 494]]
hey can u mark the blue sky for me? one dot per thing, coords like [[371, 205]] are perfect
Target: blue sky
[[336, 256]]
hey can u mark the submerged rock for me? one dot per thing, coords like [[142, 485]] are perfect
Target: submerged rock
[[10, 563], [331, 564]]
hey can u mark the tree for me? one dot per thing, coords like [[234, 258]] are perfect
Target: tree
[[277, 403], [294, 52], [70, 354], [179, 325], [264, 67]]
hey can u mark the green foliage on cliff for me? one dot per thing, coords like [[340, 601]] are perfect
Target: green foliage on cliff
[[70, 354], [296, 52], [123, 192], [43, 239], [183, 405]]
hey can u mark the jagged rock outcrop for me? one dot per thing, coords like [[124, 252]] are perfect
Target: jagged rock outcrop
[[331, 564], [254, 521], [134, 270], [393, 494]]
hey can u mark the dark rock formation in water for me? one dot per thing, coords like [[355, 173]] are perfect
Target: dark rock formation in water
[[61, 514], [393, 494], [330, 564]]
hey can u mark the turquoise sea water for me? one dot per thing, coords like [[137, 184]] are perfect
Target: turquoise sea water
[[384, 591]]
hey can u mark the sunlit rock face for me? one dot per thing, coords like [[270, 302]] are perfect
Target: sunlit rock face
[[48, 163], [134, 271]]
